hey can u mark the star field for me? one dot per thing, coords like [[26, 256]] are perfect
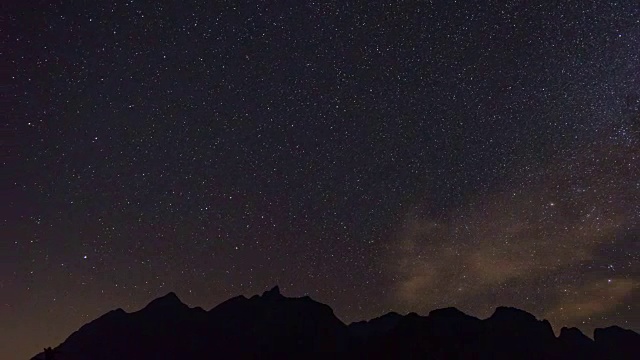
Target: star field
[[376, 156]]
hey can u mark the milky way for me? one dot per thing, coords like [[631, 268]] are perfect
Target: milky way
[[377, 157]]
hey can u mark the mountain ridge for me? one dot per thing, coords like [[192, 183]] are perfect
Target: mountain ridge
[[272, 325]]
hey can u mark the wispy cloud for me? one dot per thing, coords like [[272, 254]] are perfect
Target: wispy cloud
[[528, 245]]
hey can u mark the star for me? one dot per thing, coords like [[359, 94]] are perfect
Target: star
[[371, 157]]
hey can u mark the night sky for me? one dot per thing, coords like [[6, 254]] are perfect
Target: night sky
[[377, 157]]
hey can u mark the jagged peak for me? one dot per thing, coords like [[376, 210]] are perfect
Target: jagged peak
[[169, 300], [170, 297], [447, 312], [570, 331], [273, 294], [510, 317]]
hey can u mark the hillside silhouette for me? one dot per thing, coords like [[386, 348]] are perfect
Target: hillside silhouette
[[273, 326]]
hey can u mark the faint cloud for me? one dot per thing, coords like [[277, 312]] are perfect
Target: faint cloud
[[524, 244]]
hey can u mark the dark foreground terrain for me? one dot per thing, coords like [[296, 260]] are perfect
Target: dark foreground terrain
[[274, 326]]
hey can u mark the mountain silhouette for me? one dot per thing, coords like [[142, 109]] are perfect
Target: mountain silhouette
[[272, 326]]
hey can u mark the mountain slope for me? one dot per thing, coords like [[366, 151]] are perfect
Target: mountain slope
[[275, 326]]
